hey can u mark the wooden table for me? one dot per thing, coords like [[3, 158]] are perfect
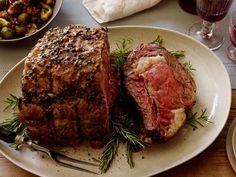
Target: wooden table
[[212, 162]]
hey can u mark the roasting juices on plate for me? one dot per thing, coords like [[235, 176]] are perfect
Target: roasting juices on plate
[[74, 90]]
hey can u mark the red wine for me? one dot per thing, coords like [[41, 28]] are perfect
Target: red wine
[[232, 29], [188, 6], [232, 35], [213, 10]]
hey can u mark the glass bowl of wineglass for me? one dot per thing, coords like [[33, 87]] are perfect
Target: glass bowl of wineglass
[[210, 11], [232, 35]]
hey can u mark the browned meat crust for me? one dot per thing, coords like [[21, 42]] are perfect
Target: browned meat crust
[[65, 86]]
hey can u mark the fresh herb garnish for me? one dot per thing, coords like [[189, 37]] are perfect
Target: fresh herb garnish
[[178, 53], [125, 124], [13, 123], [12, 102], [109, 153], [189, 67], [125, 131], [121, 52], [122, 133], [195, 120], [158, 40], [129, 155]]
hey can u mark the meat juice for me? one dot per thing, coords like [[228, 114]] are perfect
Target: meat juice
[[232, 29], [213, 11], [188, 6]]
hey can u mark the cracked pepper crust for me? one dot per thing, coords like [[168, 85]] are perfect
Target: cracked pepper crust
[[64, 86]]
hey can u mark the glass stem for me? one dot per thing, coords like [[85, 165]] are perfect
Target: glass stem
[[207, 29]]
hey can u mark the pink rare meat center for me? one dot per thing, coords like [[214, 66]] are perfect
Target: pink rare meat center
[[165, 91], [163, 87]]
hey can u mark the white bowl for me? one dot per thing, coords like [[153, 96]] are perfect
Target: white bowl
[[56, 9]]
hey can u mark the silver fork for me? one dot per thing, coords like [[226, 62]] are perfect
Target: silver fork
[[11, 137]]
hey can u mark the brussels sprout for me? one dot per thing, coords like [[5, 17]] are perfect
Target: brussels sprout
[[15, 8], [46, 12], [23, 18], [20, 30], [4, 22], [7, 33]]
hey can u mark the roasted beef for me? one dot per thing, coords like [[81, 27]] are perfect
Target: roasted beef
[[161, 87], [66, 90]]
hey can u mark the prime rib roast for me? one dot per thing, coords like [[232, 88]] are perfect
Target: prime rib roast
[[67, 87], [161, 87]]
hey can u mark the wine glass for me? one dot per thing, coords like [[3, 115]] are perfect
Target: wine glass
[[232, 36], [210, 11]]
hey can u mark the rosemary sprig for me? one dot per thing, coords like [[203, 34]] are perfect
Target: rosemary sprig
[[158, 40], [129, 155], [109, 153], [123, 46], [189, 67], [13, 123], [178, 53], [195, 120], [12, 102], [121, 52], [127, 134], [121, 133]]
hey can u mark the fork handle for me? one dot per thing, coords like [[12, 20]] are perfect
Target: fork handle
[[7, 135]]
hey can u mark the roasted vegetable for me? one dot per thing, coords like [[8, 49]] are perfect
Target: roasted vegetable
[[15, 8], [20, 30], [46, 12], [7, 33], [23, 18], [4, 22]]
